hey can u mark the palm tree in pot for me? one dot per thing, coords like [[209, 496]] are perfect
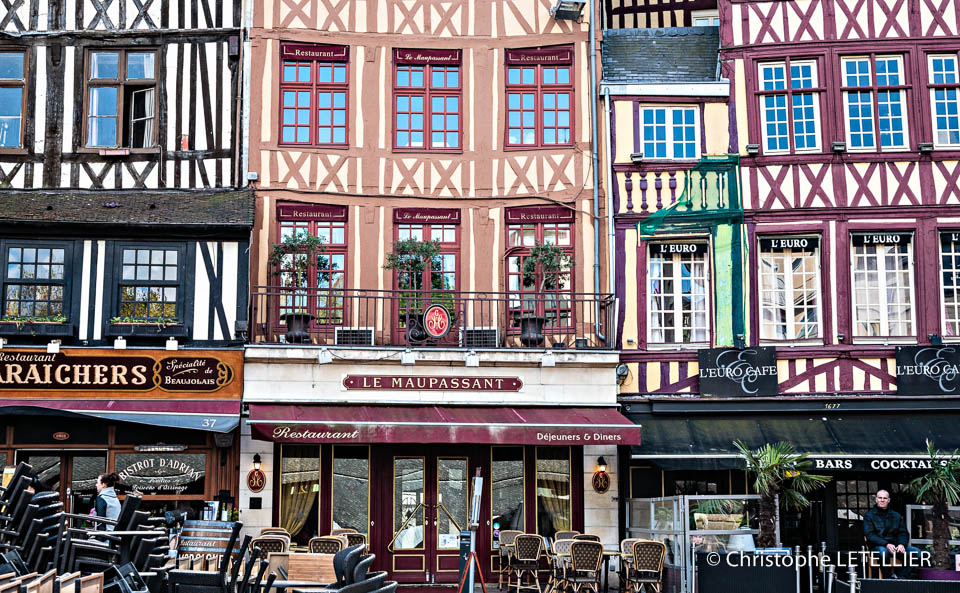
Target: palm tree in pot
[[779, 471], [939, 487], [546, 268], [291, 260], [410, 258]]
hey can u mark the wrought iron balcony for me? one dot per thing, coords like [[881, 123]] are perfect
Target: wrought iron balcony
[[342, 317]]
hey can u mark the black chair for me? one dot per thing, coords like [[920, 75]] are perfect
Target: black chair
[[215, 581], [360, 571], [237, 562], [247, 573], [345, 562], [390, 587]]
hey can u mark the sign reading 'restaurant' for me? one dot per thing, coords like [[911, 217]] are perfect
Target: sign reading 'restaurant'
[[408, 383], [737, 373], [928, 370]]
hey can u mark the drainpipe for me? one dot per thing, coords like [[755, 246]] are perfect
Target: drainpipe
[[594, 99], [611, 232]]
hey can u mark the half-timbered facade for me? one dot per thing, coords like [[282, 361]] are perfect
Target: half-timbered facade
[[124, 237], [467, 126], [841, 116]]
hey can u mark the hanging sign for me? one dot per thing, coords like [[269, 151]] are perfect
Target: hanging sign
[[256, 480], [601, 482], [882, 238], [737, 373], [436, 321], [928, 370]]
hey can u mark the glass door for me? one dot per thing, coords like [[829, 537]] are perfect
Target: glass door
[[76, 470]]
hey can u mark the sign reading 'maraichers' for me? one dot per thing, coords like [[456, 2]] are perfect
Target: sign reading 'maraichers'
[[64, 371], [407, 383]]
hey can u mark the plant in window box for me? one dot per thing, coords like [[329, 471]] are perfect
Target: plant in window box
[[545, 269], [34, 325], [410, 258], [144, 326], [291, 260]]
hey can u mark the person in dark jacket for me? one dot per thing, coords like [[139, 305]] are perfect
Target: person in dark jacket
[[886, 533]]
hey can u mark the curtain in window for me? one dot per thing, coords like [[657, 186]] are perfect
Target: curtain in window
[[299, 487], [553, 490]]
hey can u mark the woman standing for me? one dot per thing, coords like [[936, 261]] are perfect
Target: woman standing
[[107, 504]]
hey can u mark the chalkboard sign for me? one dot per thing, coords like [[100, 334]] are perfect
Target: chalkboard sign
[[738, 373], [928, 370]]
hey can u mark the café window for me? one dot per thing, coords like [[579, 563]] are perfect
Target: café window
[[789, 288], [150, 285], [180, 474], [533, 290], [314, 87], [121, 88], [351, 487], [427, 95], [12, 92], [326, 273], [506, 488], [300, 491], [678, 309], [35, 282], [950, 283], [554, 507], [883, 285], [539, 97]]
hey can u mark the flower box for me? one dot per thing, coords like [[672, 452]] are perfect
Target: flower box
[[147, 330], [36, 328]]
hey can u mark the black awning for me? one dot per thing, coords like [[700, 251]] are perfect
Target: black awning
[[675, 442]]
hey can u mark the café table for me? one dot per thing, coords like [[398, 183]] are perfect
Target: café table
[[282, 585]]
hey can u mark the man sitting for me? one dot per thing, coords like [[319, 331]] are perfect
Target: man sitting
[[887, 534]]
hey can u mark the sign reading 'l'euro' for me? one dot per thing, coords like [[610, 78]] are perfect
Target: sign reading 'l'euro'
[[738, 373], [410, 383], [928, 370]]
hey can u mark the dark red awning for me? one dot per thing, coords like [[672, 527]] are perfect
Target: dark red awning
[[441, 424], [212, 415]]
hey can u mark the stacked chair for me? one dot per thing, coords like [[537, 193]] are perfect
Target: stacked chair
[[28, 521], [645, 571], [351, 566]]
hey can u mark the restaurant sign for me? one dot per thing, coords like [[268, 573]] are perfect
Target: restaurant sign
[[104, 370], [928, 370], [734, 372], [868, 463], [426, 383]]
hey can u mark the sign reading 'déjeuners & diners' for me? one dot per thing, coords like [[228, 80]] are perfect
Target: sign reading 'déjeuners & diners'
[[422, 383], [108, 371], [928, 370], [737, 373]]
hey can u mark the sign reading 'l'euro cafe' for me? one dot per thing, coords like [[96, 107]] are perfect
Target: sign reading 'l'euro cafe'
[[96, 372]]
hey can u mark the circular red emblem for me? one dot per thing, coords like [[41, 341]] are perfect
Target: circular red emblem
[[256, 480], [61, 436], [601, 482], [436, 321]]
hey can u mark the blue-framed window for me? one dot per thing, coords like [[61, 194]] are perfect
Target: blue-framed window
[[944, 100], [670, 132], [874, 91], [790, 106]]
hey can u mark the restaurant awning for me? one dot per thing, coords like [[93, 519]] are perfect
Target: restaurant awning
[[211, 415], [441, 424], [683, 442]]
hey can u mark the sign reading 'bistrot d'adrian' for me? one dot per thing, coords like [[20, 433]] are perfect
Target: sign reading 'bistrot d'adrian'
[[102, 370], [413, 383]]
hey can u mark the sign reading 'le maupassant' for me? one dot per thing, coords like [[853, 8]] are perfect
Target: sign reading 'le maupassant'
[[928, 370], [34, 370], [737, 373], [407, 383]]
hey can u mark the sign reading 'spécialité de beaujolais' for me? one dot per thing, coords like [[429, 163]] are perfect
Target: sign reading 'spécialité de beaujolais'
[[928, 370], [738, 373]]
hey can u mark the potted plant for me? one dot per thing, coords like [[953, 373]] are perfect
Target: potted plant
[[291, 259], [939, 487], [410, 258], [545, 269]]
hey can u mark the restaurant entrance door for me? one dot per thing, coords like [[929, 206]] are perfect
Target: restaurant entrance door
[[71, 473], [428, 508]]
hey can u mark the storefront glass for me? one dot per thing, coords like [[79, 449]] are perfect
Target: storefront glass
[[300, 490], [84, 471], [351, 488], [47, 469], [408, 497], [452, 501], [553, 490], [507, 491]]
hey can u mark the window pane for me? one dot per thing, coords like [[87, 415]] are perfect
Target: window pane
[[300, 490], [452, 494], [553, 490], [140, 65], [11, 66], [10, 113], [408, 494], [506, 490], [104, 65], [351, 488]]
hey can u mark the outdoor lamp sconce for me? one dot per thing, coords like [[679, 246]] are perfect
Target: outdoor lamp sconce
[[408, 357], [548, 359], [935, 339], [841, 338], [740, 342], [839, 147], [753, 149], [120, 343], [257, 461], [171, 343], [925, 146], [623, 371], [568, 10], [636, 158], [325, 357], [53, 347], [472, 359], [601, 464]]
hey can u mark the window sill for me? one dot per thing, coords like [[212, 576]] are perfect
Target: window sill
[[147, 330], [791, 343], [36, 328], [693, 346], [518, 148], [119, 151], [282, 146], [14, 150], [427, 150], [885, 341]]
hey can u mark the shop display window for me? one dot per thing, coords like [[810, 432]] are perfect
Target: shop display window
[[351, 488], [300, 490], [506, 487], [554, 509]]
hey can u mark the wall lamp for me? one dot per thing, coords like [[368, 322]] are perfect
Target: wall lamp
[[839, 147], [601, 464], [408, 357], [935, 339], [256, 461], [753, 149], [623, 371], [324, 357], [547, 359], [472, 359], [636, 158], [925, 146], [568, 10]]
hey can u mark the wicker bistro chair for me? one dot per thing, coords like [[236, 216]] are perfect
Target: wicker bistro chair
[[528, 549], [559, 563], [275, 531], [646, 571], [507, 538], [356, 539], [342, 530], [589, 537], [270, 544], [325, 545], [565, 535], [585, 559], [626, 560]]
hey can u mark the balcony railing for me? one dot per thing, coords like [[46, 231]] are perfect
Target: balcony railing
[[341, 317]]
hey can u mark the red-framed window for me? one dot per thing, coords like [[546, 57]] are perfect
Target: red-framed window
[[325, 278], [314, 95], [539, 97], [555, 302], [427, 100]]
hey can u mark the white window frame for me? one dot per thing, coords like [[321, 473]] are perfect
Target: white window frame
[[707, 13], [883, 303], [944, 319], [669, 109], [874, 92], [677, 310], [933, 103], [789, 92], [790, 294]]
